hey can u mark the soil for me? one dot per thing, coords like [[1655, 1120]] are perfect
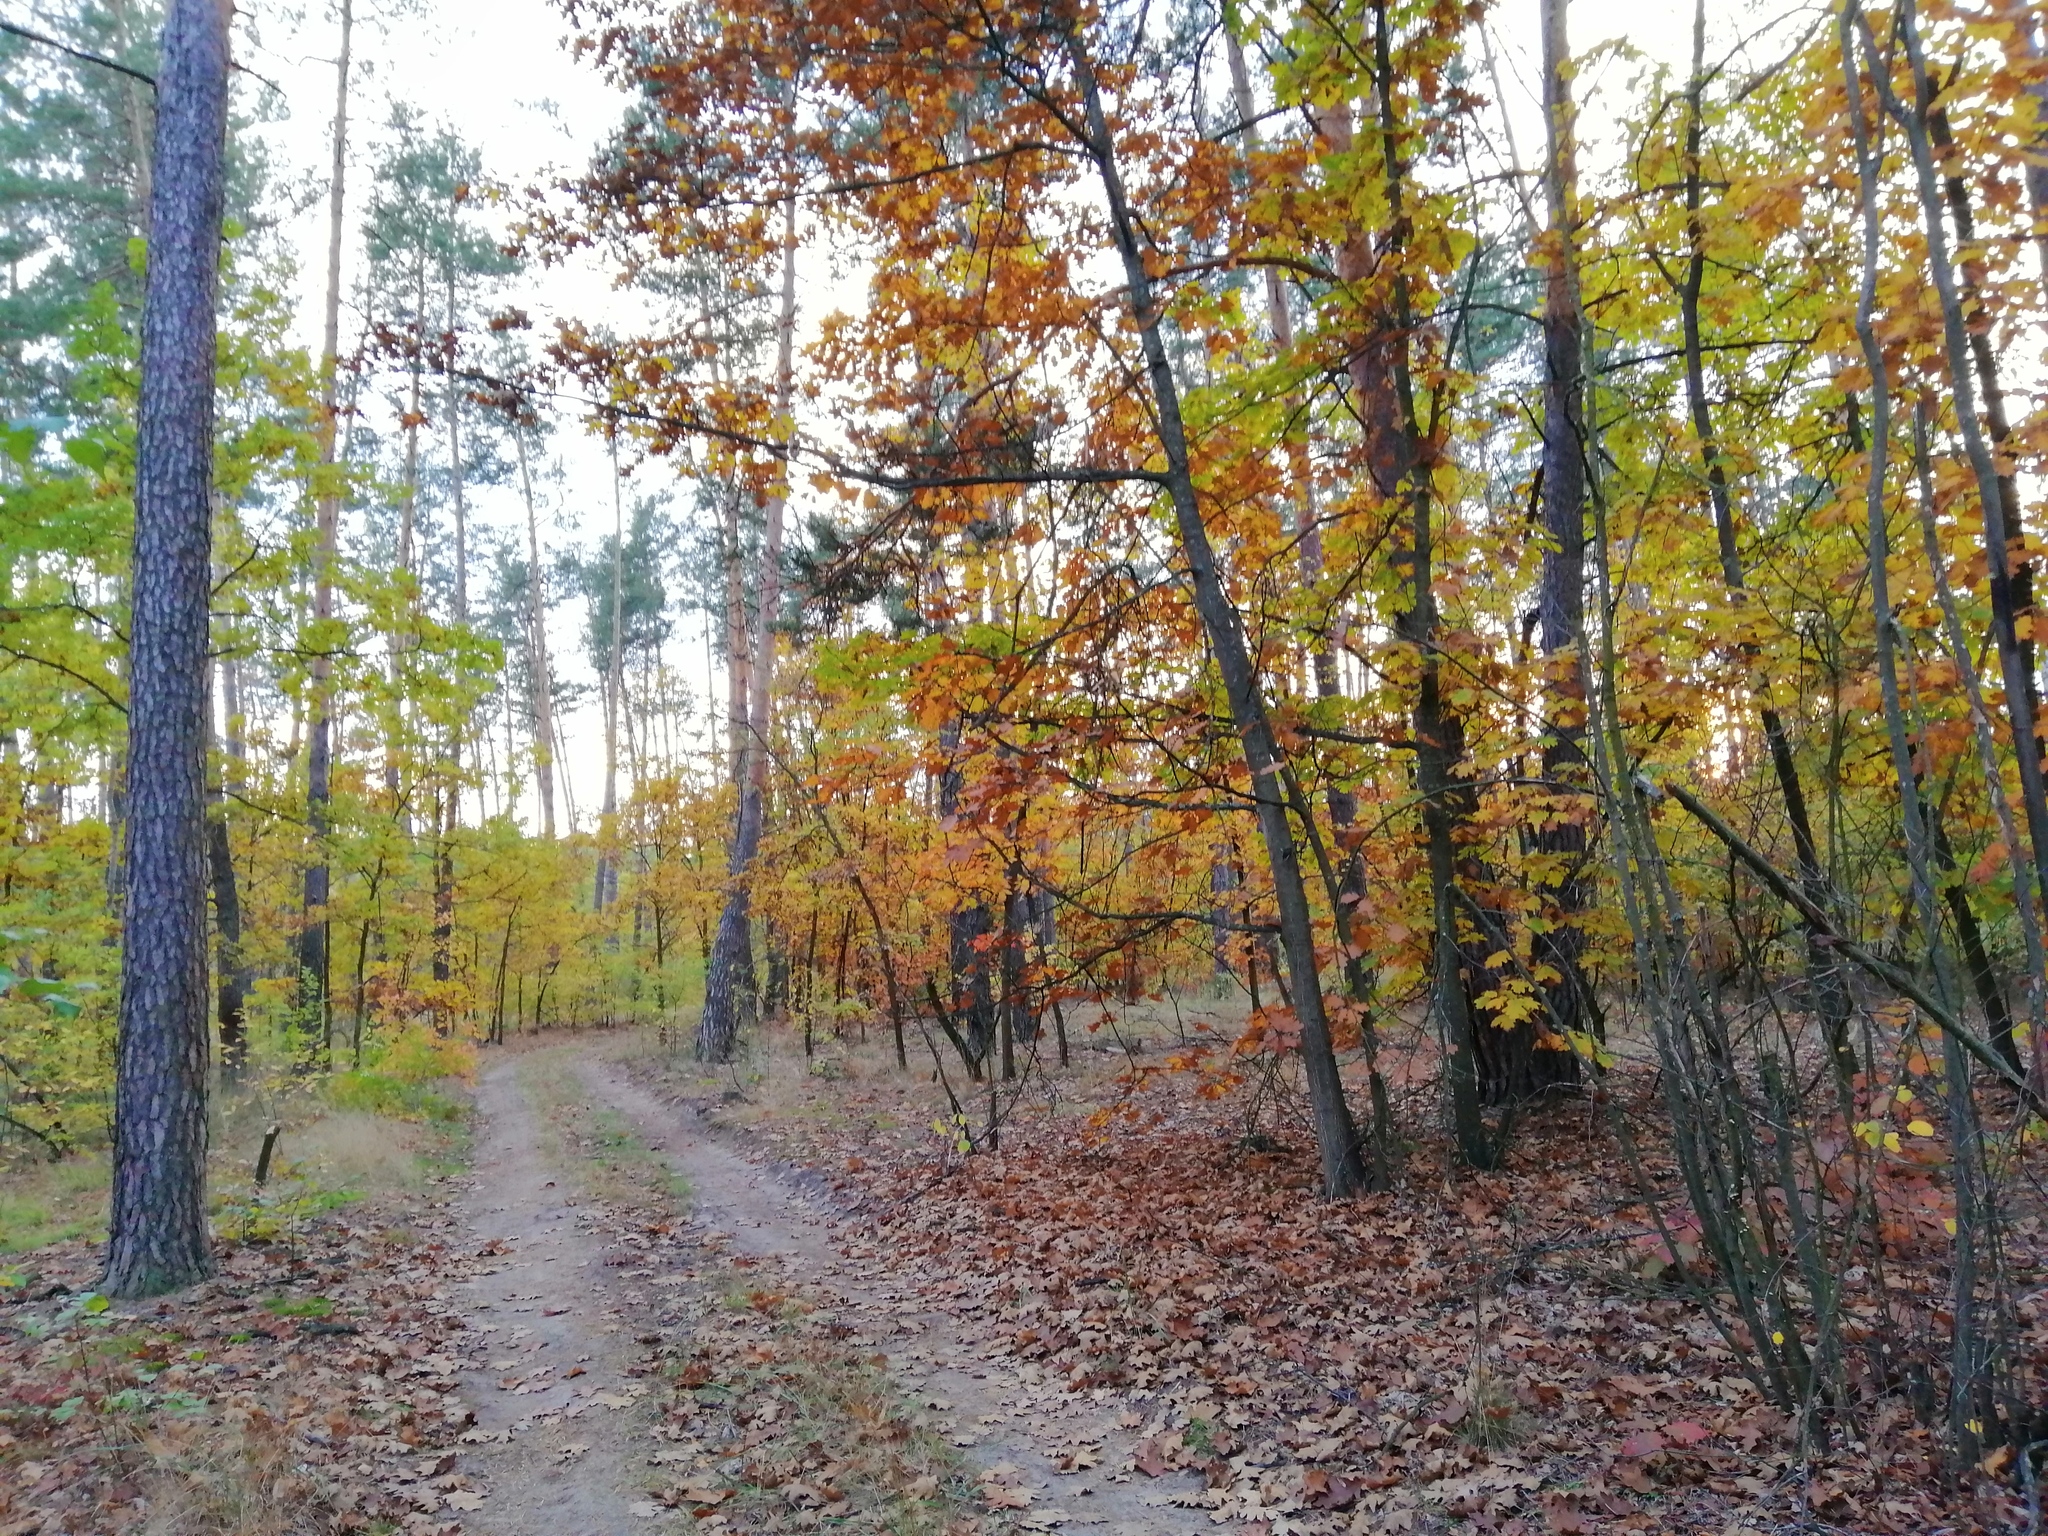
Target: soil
[[561, 1443]]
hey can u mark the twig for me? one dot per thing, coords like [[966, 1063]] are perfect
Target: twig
[[1823, 929]]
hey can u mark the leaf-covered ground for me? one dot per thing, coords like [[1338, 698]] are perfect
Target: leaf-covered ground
[[1147, 1300], [308, 1387], [1490, 1353]]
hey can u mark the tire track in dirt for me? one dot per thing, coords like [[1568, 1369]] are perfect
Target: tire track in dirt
[[557, 1418], [1017, 1426]]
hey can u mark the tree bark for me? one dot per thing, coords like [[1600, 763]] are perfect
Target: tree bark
[[614, 698], [315, 1008], [537, 651], [2023, 51], [1997, 532], [1336, 1140], [1529, 1058], [234, 975], [157, 1238], [729, 989]]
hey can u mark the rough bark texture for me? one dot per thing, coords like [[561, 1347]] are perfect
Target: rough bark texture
[[157, 1238]]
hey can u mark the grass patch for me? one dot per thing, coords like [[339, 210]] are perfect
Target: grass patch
[[596, 1147], [374, 1093], [299, 1306], [43, 1203], [823, 1430]]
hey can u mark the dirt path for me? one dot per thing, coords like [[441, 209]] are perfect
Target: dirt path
[[555, 1408], [560, 1441], [1022, 1430]]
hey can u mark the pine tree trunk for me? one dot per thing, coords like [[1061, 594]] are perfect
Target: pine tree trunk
[[729, 989], [315, 1008], [157, 1237], [233, 979], [614, 701], [1531, 1057], [537, 652]]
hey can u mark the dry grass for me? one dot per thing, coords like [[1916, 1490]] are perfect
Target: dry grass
[[361, 1152], [229, 1477]]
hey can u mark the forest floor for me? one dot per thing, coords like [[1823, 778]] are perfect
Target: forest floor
[[778, 1298]]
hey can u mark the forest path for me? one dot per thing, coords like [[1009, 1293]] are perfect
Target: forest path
[[553, 1400], [1018, 1431], [557, 1305]]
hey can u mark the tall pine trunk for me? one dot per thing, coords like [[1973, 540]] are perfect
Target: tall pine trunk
[[729, 990], [537, 651], [157, 1238], [315, 1009], [234, 974], [1530, 1058], [614, 700]]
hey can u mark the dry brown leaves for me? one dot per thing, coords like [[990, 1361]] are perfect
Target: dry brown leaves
[[307, 1388], [1485, 1351]]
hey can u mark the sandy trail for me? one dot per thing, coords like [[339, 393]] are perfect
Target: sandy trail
[[552, 1391], [564, 1450], [999, 1417]]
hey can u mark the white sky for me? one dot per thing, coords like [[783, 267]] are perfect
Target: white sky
[[497, 72]]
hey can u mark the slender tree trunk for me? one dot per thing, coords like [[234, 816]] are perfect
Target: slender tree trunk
[[402, 637], [157, 1238], [729, 989], [1984, 363], [315, 1010], [234, 975], [1343, 1171], [1831, 996], [136, 114], [2019, 697], [537, 652], [1348, 890], [2021, 39], [614, 698]]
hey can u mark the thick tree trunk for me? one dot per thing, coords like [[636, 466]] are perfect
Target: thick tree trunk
[[1336, 1139], [157, 1237], [1531, 1058], [315, 1009]]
